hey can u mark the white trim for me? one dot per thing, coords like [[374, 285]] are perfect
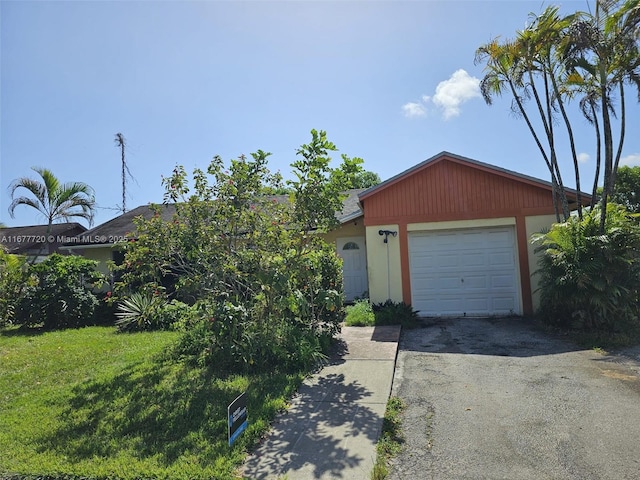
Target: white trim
[[90, 245], [351, 217], [458, 224]]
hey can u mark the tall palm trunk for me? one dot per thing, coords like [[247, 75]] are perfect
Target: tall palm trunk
[[547, 121], [543, 152], [596, 124], [572, 143], [622, 134], [608, 148]]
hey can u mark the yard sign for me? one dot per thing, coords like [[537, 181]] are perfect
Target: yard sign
[[237, 415]]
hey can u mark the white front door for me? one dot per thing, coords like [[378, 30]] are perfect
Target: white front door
[[354, 269]]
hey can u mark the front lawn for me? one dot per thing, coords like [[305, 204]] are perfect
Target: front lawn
[[91, 403]]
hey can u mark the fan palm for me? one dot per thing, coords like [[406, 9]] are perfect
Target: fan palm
[[55, 200]]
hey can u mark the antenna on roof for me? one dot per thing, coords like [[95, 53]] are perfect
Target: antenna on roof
[[121, 142]]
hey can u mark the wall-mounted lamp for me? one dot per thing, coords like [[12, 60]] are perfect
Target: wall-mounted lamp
[[386, 234]]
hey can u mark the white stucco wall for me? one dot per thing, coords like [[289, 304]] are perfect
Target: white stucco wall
[[536, 224], [385, 280]]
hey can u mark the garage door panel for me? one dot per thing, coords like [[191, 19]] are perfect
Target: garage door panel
[[448, 306], [445, 238], [446, 261], [475, 305], [464, 272], [503, 238], [445, 283], [472, 259], [474, 282], [502, 281], [504, 305], [501, 259]]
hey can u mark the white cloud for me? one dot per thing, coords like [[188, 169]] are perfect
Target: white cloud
[[452, 93], [632, 160], [414, 110], [583, 157]]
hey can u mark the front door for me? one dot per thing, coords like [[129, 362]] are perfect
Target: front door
[[354, 269]]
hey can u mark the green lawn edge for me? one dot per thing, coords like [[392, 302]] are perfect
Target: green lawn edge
[[94, 404]]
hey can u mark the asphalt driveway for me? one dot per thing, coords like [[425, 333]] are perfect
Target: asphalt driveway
[[499, 399]]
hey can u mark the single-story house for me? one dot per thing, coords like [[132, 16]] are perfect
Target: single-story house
[[36, 241], [97, 243], [450, 236]]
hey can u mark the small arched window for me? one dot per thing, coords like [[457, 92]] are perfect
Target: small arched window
[[351, 246]]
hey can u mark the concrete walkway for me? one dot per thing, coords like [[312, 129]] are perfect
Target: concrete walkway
[[331, 429]]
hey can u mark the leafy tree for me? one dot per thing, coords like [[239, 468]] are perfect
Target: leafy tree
[[317, 188], [627, 188], [266, 288], [55, 200], [365, 179]]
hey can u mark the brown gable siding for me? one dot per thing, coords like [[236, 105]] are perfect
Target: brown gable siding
[[450, 190]]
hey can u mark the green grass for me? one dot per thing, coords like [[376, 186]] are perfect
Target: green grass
[[363, 314], [91, 403], [359, 314], [391, 439]]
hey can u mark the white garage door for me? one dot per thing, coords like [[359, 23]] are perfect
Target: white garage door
[[470, 272]]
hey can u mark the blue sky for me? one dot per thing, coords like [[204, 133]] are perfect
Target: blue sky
[[392, 82]]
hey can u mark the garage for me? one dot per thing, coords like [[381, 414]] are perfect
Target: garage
[[464, 272], [458, 237]]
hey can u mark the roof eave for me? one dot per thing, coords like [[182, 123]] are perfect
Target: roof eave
[[471, 162]]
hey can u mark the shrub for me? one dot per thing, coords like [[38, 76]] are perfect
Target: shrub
[[140, 311], [395, 313], [150, 311], [360, 314], [12, 272], [363, 313], [591, 281], [59, 293]]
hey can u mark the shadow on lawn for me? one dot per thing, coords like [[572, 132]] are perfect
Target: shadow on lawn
[[162, 410], [21, 331]]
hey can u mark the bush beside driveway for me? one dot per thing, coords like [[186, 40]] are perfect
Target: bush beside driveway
[[496, 398]]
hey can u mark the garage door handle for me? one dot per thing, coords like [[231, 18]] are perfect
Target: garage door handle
[[462, 280]]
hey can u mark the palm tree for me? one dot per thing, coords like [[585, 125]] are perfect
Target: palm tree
[[55, 200], [603, 54], [510, 68], [542, 41], [557, 58]]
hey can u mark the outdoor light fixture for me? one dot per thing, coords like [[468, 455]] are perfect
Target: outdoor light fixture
[[386, 234]]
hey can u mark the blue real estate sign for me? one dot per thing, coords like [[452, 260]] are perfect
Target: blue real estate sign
[[237, 416]]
